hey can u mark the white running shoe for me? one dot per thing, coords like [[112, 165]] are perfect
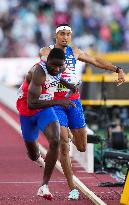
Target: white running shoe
[[73, 195], [44, 192]]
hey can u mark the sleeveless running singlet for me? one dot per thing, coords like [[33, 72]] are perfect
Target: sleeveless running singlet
[[48, 89], [70, 75]]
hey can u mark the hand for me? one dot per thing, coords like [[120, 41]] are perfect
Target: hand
[[121, 77], [66, 103], [75, 87]]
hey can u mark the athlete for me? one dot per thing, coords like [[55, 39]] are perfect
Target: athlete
[[73, 117], [34, 104]]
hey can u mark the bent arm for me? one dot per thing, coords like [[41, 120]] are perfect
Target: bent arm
[[66, 84], [35, 90], [71, 86]]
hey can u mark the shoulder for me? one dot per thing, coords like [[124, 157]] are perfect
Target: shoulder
[[44, 52], [77, 52], [38, 74]]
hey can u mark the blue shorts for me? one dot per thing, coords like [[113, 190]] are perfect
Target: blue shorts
[[71, 117], [30, 125]]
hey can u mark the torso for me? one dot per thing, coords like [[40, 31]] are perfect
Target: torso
[[70, 75], [47, 93]]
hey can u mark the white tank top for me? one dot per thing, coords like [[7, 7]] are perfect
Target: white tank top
[[51, 83]]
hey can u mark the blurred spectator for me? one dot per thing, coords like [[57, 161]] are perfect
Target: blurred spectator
[[25, 26], [116, 39], [104, 38]]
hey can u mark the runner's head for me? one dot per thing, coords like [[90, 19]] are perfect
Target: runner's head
[[63, 35], [55, 61]]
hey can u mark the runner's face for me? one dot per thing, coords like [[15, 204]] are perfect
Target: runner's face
[[55, 66], [63, 37]]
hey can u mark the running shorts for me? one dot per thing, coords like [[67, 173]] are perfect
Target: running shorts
[[71, 117], [30, 125]]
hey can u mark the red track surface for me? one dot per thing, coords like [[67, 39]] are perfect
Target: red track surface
[[20, 178]]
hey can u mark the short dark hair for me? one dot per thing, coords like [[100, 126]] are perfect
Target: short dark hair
[[57, 53], [65, 24]]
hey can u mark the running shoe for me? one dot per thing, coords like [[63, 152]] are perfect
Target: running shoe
[[73, 195], [44, 192]]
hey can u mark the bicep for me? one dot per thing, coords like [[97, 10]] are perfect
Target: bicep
[[35, 86], [84, 57], [34, 90]]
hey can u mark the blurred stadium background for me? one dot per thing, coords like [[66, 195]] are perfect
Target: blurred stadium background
[[25, 26], [101, 27]]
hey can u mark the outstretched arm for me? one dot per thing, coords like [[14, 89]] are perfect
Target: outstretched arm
[[100, 63]]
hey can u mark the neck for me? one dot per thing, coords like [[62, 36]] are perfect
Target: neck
[[60, 46]]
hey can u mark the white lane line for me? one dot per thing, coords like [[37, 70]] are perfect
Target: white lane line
[[87, 192], [35, 182], [10, 121]]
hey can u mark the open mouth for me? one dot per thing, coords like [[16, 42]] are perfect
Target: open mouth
[[65, 42]]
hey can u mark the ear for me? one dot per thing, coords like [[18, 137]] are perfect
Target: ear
[[70, 41]]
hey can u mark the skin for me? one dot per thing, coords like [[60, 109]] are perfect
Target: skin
[[35, 78], [63, 38]]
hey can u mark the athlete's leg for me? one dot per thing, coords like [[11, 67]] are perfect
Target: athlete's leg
[[80, 138], [64, 146], [34, 152], [65, 158], [47, 122], [33, 149], [52, 132], [77, 125], [30, 135]]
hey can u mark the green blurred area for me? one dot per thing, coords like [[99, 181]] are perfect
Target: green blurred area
[[111, 166]]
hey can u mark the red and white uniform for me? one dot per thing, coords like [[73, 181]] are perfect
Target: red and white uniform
[[70, 75], [48, 89]]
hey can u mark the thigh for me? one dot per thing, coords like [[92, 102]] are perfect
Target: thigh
[[29, 128], [76, 119], [52, 132], [46, 117], [80, 138]]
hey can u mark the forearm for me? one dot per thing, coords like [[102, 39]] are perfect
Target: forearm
[[100, 63], [66, 84], [39, 104], [104, 64]]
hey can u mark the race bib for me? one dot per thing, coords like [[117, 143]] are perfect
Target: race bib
[[47, 96]]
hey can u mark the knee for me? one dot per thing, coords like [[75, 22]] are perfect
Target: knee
[[54, 143]]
